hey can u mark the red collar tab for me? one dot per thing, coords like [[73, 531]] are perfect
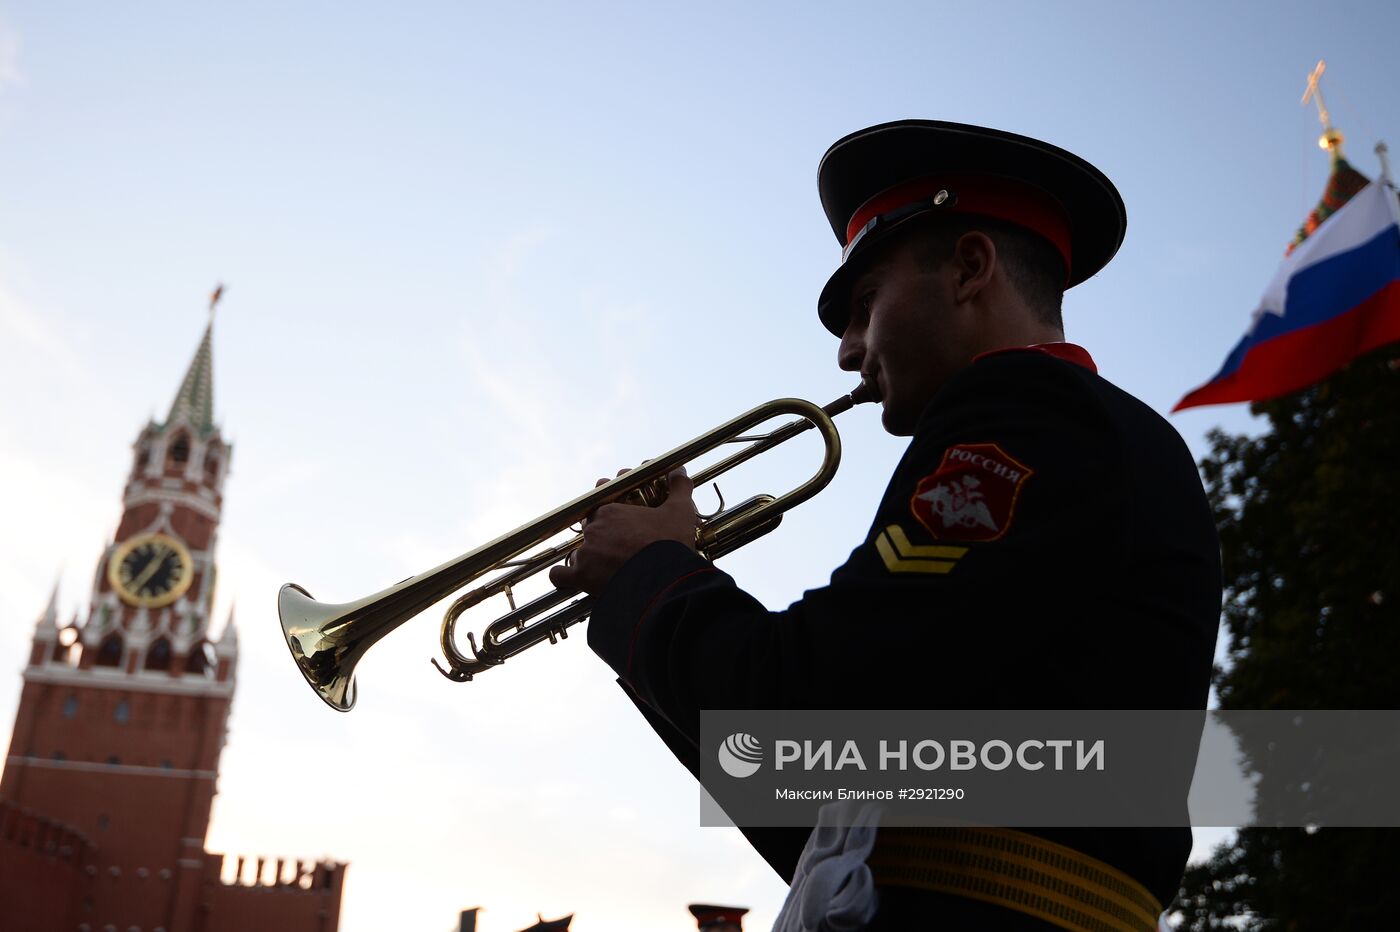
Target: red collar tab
[[988, 195], [1069, 352]]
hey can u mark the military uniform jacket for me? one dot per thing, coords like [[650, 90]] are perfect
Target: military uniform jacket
[[1045, 542]]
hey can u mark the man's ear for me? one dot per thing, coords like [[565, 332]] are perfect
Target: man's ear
[[975, 260]]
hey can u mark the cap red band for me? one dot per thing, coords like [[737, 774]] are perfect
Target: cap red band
[[988, 195]]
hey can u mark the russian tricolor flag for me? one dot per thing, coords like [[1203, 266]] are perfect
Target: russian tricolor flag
[[1336, 296]]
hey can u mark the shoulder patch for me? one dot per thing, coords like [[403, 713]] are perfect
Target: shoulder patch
[[972, 495]]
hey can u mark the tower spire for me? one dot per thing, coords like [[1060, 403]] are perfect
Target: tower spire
[[1331, 139], [228, 641], [49, 620], [194, 402], [1345, 181]]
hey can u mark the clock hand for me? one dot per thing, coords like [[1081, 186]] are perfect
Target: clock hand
[[160, 551]]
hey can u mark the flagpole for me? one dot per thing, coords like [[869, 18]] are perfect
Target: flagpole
[[1392, 201]]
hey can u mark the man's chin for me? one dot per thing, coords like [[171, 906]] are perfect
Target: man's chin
[[895, 421]]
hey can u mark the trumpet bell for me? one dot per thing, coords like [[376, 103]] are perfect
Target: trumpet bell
[[323, 654]]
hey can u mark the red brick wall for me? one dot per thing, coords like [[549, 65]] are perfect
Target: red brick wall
[[44, 881], [147, 819]]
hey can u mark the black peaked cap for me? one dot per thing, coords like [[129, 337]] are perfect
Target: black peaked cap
[[869, 161]]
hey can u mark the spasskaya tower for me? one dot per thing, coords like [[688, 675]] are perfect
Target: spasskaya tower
[[154, 588], [123, 716]]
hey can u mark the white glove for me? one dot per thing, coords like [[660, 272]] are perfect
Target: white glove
[[832, 889]]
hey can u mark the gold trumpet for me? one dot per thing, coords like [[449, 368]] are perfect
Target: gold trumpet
[[327, 641]]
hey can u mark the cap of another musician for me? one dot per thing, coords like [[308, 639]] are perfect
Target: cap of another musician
[[718, 918]]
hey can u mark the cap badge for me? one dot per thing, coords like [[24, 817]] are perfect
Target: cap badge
[[890, 217]]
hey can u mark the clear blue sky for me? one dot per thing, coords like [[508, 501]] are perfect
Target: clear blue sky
[[478, 254]]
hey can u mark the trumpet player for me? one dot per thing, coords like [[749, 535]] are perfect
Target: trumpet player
[[1044, 542]]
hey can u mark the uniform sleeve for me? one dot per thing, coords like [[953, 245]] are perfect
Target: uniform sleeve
[[1008, 500]]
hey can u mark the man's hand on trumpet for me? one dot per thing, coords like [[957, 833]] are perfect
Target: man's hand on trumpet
[[617, 532]]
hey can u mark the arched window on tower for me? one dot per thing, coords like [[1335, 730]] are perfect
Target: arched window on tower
[[211, 469], [143, 459], [201, 659], [158, 656], [109, 654], [180, 450]]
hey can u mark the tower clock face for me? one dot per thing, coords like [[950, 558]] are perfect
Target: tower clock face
[[151, 570]]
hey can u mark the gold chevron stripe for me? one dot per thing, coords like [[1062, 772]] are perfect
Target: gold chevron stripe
[[900, 556], [935, 551]]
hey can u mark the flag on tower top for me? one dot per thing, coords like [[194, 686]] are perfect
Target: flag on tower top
[[1335, 297]]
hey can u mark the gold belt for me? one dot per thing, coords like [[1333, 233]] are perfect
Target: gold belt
[[1017, 871]]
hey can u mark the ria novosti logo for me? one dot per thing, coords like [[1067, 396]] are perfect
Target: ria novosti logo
[[740, 755]]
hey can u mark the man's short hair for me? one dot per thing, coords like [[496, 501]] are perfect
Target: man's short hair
[[1033, 265]]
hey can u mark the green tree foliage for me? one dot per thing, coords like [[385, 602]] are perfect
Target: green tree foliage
[[1309, 520]]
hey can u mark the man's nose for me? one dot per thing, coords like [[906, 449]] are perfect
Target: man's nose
[[851, 353]]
